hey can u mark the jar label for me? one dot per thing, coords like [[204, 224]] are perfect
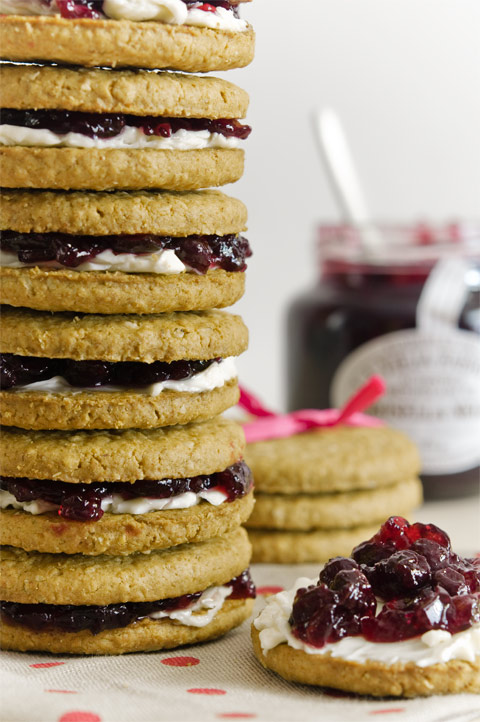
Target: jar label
[[433, 391]]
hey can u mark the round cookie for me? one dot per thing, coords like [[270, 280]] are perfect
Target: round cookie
[[35, 578], [144, 636], [118, 169], [297, 547], [343, 510], [163, 337], [372, 678], [124, 43], [102, 214], [135, 92], [120, 534], [332, 460], [208, 212], [175, 452]]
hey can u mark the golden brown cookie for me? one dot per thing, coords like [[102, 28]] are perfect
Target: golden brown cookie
[[343, 510], [34, 578], [372, 678], [175, 452], [120, 534], [118, 169], [146, 635], [135, 92], [298, 547], [111, 292], [159, 337], [123, 43], [328, 460], [207, 212]]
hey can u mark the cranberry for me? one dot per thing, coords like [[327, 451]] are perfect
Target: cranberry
[[355, 592], [463, 611], [70, 618], [82, 502], [402, 574], [91, 9], [369, 553], [200, 253], [428, 531], [435, 554], [333, 566], [316, 617], [452, 581]]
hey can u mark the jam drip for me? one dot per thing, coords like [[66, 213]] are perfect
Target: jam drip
[[82, 502], [20, 370], [73, 618], [200, 253], [93, 9], [410, 567], [109, 125]]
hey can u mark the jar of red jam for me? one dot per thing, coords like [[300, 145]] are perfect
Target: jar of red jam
[[408, 310]]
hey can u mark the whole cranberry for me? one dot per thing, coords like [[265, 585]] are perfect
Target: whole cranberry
[[435, 554], [355, 592], [335, 565], [369, 553], [402, 574], [463, 611], [315, 617], [451, 580], [428, 531]]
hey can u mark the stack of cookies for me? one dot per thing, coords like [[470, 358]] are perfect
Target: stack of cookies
[[321, 492], [123, 490]]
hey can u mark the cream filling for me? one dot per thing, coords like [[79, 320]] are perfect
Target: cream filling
[[161, 262], [129, 138], [433, 647], [202, 612], [172, 12], [213, 377], [116, 504]]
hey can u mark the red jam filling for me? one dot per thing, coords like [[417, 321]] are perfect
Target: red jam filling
[[200, 253], [73, 618], [411, 568], [109, 125], [93, 9], [82, 502], [21, 370]]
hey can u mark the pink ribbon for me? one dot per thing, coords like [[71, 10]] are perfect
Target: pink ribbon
[[269, 425]]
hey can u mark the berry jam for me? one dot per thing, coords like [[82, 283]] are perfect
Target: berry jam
[[411, 568], [83, 502], [199, 253], [93, 9], [21, 370], [73, 618], [109, 125]]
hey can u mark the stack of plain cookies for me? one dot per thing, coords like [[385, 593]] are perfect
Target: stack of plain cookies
[[321, 492], [123, 490]]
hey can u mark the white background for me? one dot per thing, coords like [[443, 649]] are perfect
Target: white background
[[404, 75]]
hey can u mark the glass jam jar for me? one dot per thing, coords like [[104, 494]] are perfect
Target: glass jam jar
[[397, 311]]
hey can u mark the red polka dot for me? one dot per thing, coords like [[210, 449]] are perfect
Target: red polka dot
[[269, 590], [180, 661], [206, 690], [61, 691], [79, 716], [45, 665], [236, 715], [387, 711]]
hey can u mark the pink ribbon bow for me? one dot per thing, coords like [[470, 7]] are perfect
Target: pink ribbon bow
[[269, 425]]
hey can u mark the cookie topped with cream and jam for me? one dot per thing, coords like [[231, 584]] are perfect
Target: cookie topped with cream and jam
[[99, 129], [177, 34], [400, 617]]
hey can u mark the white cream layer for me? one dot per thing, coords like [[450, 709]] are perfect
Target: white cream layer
[[129, 138], [213, 377], [431, 648], [116, 504], [202, 612], [172, 12], [161, 262]]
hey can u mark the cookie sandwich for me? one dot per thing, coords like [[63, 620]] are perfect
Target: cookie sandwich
[[122, 492], [64, 128], [65, 371], [109, 253], [116, 604], [176, 34], [320, 492], [399, 617]]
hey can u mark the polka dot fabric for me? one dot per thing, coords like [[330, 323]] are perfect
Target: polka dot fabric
[[218, 680]]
